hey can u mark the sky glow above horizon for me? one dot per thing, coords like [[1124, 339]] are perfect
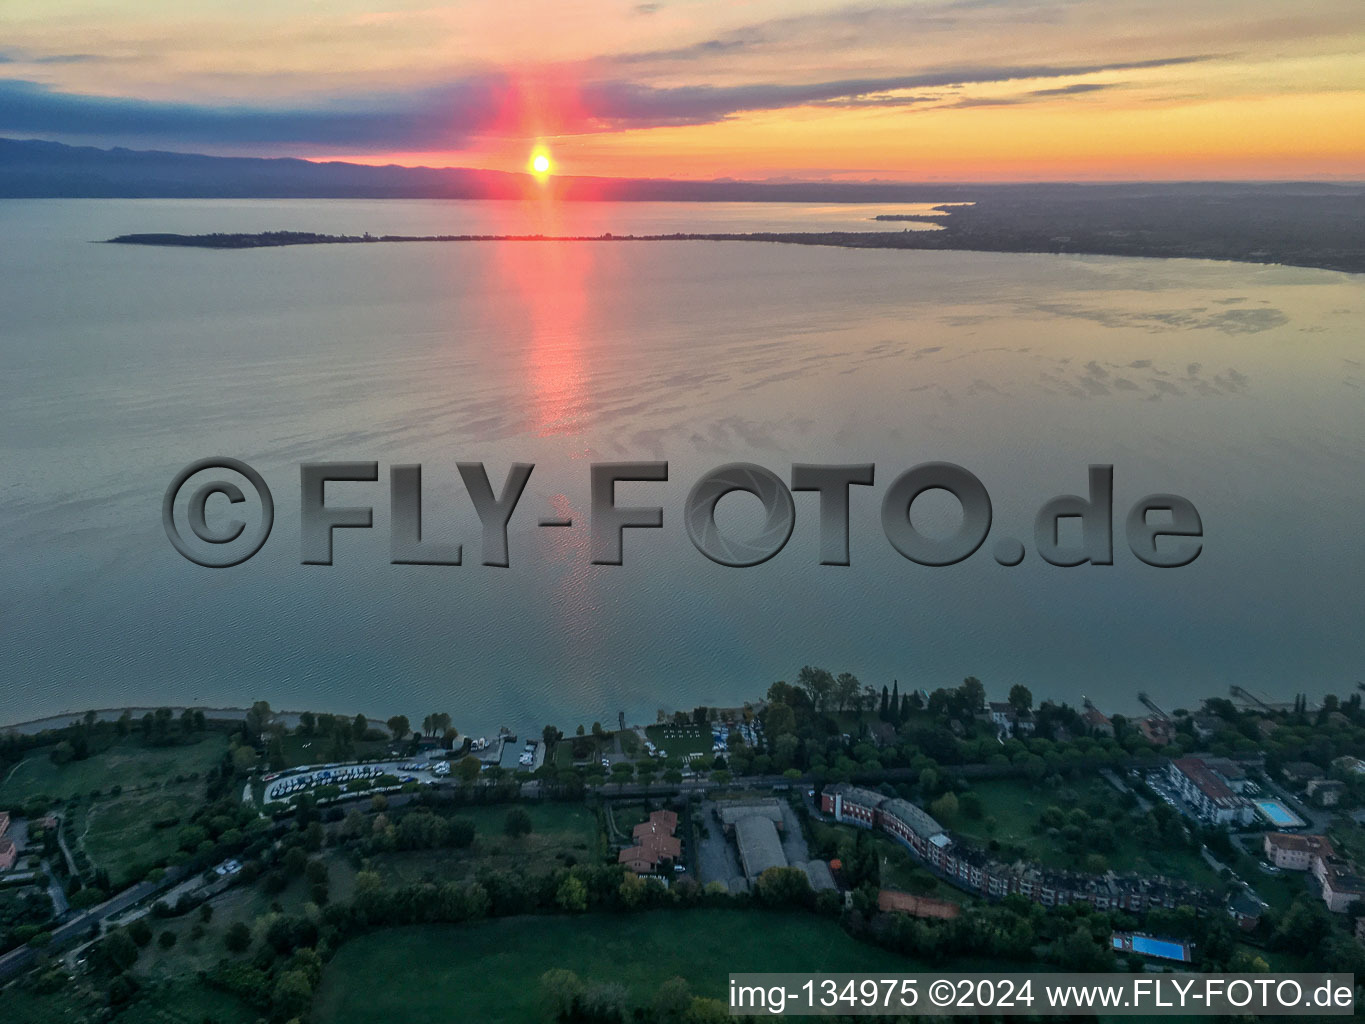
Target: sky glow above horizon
[[922, 90]]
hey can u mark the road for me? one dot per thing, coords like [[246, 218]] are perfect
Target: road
[[19, 960]]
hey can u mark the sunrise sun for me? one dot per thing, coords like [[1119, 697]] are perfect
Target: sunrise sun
[[540, 164]]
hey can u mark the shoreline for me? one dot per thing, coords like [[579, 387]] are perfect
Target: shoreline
[[944, 239]]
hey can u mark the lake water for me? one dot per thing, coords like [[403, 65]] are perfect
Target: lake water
[[1239, 387]]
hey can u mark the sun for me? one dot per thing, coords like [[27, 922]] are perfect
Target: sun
[[540, 164]]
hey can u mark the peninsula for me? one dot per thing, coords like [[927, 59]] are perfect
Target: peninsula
[[1322, 230]]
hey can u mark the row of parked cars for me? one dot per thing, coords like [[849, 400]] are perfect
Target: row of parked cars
[[322, 777]]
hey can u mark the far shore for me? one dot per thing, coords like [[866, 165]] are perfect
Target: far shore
[[945, 237]]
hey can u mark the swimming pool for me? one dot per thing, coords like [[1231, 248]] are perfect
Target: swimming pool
[[1166, 949], [1278, 814]]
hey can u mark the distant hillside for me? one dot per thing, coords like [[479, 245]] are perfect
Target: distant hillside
[[34, 169]]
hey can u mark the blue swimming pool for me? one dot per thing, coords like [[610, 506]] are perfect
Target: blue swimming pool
[[1278, 814], [1158, 947]]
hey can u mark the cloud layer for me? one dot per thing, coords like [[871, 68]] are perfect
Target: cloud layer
[[447, 115]]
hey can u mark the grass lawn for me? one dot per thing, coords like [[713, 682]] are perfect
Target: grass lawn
[[301, 750], [128, 764], [681, 740], [491, 971], [187, 1003], [899, 870], [1016, 807], [117, 833], [70, 1003], [559, 831]]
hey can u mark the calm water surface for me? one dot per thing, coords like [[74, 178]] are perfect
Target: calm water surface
[[1237, 386]]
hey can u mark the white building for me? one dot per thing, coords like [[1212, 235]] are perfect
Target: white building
[[1209, 793]]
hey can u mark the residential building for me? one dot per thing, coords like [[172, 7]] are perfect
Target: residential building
[[1246, 909], [1007, 720], [1341, 884], [972, 869], [1097, 722], [655, 844], [1298, 772], [1325, 792], [1350, 764], [4, 823], [1208, 792], [9, 853], [1290, 852], [1157, 730]]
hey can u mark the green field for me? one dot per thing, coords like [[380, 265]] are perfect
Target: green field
[[128, 764], [312, 750], [1016, 807], [60, 1007], [116, 831], [561, 833], [117, 834], [179, 1002], [491, 971], [187, 1003]]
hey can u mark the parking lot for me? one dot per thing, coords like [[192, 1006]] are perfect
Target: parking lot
[[279, 787]]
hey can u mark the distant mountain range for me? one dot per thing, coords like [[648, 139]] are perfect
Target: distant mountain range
[[36, 169]]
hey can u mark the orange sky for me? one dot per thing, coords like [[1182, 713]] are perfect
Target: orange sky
[[757, 89]]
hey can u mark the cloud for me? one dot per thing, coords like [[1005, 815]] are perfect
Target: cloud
[[1071, 90], [448, 114], [55, 58]]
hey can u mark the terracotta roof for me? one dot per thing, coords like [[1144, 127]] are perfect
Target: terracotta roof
[[1204, 778]]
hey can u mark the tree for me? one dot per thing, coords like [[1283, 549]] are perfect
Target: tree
[[243, 759], [1021, 700], [945, 806], [779, 721], [257, 718], [672, 1000], [308, 723], [817, 684], [166, 939], [707, 1011], [118, 950], [293, 994], [973, 695], [572, 895], [783, 887], [846, 690], [275, 754], [561, 991], [398, 727], [468, 768], [517, 823]]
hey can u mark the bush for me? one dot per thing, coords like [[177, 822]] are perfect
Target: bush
[[166, 939], [517, 823], [238, 938], [140, 932]]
